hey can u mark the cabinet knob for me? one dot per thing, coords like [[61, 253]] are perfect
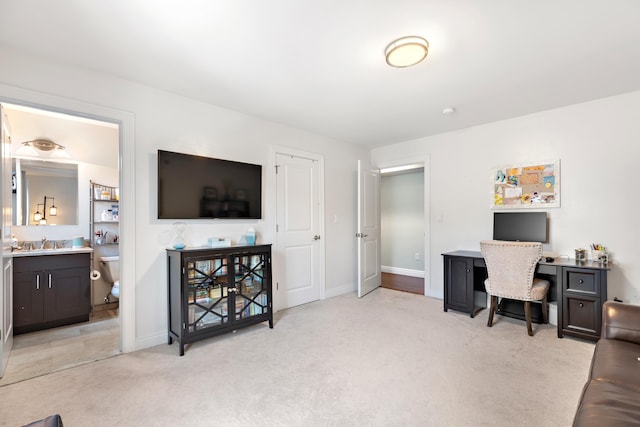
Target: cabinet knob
[[581, 281], [581, 305], [468, 270]]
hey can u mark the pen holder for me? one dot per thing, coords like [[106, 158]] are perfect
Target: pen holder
[[600, 256]]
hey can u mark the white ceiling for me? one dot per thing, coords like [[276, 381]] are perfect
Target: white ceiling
[[319, 65], [85, 140]]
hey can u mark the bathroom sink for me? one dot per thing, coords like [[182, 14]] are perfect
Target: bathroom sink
[[50, 251]]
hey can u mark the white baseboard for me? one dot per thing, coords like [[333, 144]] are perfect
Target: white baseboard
[[152, 341], [553, 313], [345, 289], [402, 271]]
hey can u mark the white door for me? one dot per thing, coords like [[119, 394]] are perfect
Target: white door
[[298, 240], [368, 234], [6, 313], [6, 280]]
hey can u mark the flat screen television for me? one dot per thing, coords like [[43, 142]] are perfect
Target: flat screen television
[[520, 226], [196, 187]]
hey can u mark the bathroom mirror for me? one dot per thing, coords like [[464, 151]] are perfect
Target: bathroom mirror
[[44, 193]]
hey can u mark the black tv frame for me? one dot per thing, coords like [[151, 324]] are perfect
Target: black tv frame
[[521, 226]]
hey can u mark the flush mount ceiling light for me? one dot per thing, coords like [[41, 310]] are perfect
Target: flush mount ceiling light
[[406, 51], [31, 148]]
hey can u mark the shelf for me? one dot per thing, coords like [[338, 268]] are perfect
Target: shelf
[[107, 200], [106, 222]]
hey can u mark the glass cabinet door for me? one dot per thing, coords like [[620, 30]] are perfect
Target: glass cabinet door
[[207, 293], [250, 289]]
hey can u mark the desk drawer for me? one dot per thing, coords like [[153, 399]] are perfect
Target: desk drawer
[[582, 316], [583, 281], [550, 270]]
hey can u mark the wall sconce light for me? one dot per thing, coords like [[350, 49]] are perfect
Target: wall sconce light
[[53, 210], [41, 218], [37, 216], [32, 148]]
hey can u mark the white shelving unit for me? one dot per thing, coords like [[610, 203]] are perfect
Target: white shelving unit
[[104, 229]]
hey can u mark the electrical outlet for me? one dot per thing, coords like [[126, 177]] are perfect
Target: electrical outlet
[[417, 256]]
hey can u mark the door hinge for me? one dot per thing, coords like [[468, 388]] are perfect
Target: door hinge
[[277, 286], [277, 228], [277, 166]]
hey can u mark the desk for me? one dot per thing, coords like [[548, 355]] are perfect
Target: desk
[[580, 289]]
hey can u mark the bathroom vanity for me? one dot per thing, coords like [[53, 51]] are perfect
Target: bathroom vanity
[[50, 289]]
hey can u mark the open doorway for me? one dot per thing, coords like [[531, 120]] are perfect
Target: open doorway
[[93, 146], [402, 217]]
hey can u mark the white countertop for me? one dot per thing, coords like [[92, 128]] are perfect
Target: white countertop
[[60, 251]]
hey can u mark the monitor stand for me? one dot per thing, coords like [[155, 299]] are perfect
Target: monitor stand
[[515, 309]]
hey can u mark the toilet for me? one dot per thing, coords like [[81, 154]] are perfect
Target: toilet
[[111, 271]]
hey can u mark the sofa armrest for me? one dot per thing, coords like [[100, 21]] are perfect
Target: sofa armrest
[[621, 322]]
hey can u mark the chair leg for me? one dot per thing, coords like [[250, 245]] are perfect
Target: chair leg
[[545, 310], [492, 309], [527, 315]]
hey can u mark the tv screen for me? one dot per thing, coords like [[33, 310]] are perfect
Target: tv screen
[[193, 187], [520, 226]]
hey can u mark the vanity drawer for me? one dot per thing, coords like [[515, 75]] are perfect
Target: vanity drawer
[[583, 281]]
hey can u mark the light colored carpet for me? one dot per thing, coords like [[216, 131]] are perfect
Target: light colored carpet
[[388, 359]]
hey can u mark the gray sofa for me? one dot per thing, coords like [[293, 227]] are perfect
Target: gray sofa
[[611, 396]]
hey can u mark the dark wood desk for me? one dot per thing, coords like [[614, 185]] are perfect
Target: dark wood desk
[[580, 289]]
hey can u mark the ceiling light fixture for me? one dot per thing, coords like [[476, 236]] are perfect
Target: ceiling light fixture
[[31, 148], [406, 51]]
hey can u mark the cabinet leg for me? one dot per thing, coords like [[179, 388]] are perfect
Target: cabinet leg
[[170, 340], [181, 349], [271, 323]]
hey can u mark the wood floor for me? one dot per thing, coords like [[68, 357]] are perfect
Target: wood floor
[[414, 285]]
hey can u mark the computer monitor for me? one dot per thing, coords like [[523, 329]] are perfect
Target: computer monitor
[[520, 226]]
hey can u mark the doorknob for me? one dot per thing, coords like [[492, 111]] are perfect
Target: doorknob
[[316, 237]]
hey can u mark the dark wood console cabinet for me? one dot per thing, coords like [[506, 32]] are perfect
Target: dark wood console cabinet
[[217, 290], [580, 289], [50, 291]]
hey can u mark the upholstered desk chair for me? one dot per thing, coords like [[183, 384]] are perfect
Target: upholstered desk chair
[[510, 267]]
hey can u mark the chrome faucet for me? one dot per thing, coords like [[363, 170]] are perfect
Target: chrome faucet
[[44, 241]]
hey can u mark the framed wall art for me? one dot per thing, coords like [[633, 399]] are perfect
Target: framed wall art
[[526, 185]]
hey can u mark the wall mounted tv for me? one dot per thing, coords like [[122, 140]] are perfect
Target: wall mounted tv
[[196, 187], [520, 226]]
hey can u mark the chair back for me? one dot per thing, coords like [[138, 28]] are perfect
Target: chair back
[[510, 267]]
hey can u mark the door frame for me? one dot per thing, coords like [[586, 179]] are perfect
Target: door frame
[[272, 209], [125, 122], [425, 162]]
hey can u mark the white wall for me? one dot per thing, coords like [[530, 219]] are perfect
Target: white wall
[[167, 121], [402, 222], [597, 144]]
